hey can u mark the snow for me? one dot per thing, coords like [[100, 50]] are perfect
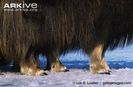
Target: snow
[[73, 78], [119, 60]]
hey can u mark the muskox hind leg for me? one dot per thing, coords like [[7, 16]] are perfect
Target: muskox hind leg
[[54, 64], [29, 66], [98, 64]]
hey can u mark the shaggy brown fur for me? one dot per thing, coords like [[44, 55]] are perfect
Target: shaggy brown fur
[[63, 25]]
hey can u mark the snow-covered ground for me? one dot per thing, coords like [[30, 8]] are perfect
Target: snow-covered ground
[[119, 60], [73, 78]]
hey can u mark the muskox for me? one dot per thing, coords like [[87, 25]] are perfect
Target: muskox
[[60, 26]]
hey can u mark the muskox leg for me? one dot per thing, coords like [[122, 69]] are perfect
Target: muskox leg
[[98, 64], [3, 61], [29, 66], [16, 64], [53, 63]]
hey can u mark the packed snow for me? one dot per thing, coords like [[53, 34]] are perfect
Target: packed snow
[[119, 60]]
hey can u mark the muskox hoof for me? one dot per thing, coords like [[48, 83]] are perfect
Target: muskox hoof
[[33, 72], [108, 72], [40, 73], [100, 69], [59, 68], [64, 69]]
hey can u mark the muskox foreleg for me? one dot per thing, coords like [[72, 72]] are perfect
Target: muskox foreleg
[[98, 64], [53, 63], [29, 66]]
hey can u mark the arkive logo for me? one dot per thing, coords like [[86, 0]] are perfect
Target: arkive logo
[[23, 6]]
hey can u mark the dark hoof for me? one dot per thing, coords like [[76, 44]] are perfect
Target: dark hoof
[[107, 73]]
